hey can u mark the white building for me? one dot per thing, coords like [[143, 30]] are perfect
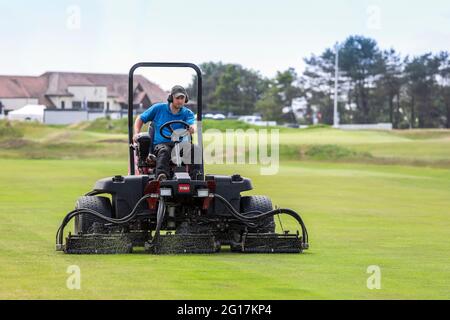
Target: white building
[[77, 91]]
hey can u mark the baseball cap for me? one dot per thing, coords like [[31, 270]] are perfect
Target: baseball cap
[[178, 91]]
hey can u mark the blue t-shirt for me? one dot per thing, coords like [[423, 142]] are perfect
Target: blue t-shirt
[[160, 113]]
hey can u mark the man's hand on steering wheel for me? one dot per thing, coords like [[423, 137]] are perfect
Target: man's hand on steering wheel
[[188, 129]]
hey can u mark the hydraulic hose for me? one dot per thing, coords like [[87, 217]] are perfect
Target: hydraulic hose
[[76, 212], [159, 219], [251, 221], [261, 215]]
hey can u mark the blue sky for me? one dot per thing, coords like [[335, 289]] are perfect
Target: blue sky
[[39, 36]]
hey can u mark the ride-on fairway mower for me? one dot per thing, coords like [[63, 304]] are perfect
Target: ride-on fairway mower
[[199, 212]]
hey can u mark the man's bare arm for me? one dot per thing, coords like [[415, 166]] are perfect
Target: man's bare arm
[[137, 127]]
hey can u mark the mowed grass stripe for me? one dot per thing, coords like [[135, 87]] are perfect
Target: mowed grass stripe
[[396, 217]]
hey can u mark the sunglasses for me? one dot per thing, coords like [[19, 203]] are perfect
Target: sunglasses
[[180, 97]]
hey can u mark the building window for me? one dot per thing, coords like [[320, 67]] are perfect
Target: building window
[[63, 105], [96, 105], [76, 105]]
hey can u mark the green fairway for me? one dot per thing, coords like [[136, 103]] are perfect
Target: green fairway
[[368, 198], [395, 217]]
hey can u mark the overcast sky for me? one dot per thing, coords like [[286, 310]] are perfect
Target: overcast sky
[[109, 36]]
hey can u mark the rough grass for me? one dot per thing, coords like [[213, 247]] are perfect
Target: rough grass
[[107, 125], [424, 134], [104, 125], [358, 215], [8, 131], [332, 152], [91, 140]]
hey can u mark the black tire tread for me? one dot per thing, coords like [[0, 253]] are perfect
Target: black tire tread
[[259, 203], [84, 222]]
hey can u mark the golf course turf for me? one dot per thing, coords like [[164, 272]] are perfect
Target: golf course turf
[[395, 216]]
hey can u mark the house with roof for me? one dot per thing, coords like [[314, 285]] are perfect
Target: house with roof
[[77, 91]]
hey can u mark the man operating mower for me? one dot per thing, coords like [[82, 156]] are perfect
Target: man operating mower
[[159, 114]]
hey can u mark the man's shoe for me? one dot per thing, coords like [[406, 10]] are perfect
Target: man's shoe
[[162, 177], [151, 160]]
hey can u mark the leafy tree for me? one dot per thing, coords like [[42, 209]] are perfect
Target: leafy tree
[[271, 104], [230, 88], [228, 93], [374, 86], [285, 83], [211, 72], [444, 85], [317, 82], [421, 73], [360, 60], [390, 83]]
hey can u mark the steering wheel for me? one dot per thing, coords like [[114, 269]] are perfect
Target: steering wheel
[[178, 134]]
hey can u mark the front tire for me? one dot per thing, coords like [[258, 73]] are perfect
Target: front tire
[[85, 222], [259, 203]]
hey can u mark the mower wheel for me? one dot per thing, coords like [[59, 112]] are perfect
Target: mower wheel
[[84, 222], [259, 203]]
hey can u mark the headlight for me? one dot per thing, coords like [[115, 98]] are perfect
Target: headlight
[[203, 193], [165, 192]]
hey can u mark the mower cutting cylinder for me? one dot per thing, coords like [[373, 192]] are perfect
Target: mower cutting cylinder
[[183, 243], [271, 243]]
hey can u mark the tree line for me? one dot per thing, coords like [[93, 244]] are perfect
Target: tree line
[[375, 85]]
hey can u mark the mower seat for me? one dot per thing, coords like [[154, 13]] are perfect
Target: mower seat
[[143, 145], [145, 148]]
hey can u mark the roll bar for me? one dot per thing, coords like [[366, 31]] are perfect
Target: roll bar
[[131, 98]]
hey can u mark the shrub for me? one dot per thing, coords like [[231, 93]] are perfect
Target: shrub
[[8, 130], [332, 152]]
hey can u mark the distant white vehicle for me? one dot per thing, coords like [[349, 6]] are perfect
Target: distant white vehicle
[[28, 113], [216, 116], [219, 116], [257, 121], [250, 119]]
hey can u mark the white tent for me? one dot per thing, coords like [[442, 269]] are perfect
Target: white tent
[[28, 113]]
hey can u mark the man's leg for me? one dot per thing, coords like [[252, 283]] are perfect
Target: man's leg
[[196, 165], [192, 156], [163, 153]]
